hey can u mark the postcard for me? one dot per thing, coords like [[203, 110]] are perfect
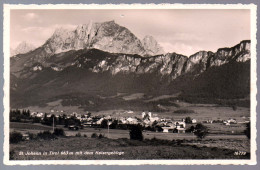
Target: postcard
[[139, 84]]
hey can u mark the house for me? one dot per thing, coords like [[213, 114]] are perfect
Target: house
[[99, 121], [152, 119], [87, 124], [143, 114], [33, 114], [230, 121], [193, 121], [122, 120], [26, 137], [180, 127], [180, 124], [167, 129], [131, 120], [39, 115], [129, 111]]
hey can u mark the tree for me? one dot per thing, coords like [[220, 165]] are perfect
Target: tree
[[191, 129], [154, 123], [15, 137], [59, 132], [114, 124], [201, 131], [188, 120], [247, 131], [136, 132], [104, 123], [158, 128]]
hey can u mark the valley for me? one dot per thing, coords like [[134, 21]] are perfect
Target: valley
[[99, 82]]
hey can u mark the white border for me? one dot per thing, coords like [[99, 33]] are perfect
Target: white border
[[253, 87]]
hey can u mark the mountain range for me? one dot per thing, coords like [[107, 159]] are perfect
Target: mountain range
[[100, 60], [22, 48]]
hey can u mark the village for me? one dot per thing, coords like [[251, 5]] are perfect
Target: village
[[148, 120]]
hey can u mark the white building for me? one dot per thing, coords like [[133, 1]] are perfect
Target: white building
[[193, 121], [143, 114], [131, 120]]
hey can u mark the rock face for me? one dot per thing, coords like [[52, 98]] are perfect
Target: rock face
[[151, 46], [166, 65], [240, 53], [91, 73], [174, 65], [22, 48], [106, 36], [170, 65]]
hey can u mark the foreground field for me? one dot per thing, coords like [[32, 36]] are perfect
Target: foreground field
[[118, 133], [85, 148]]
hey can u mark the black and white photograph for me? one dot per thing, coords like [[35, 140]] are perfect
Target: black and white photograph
[[130, 84]]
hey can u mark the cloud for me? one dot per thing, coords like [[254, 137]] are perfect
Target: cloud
[[30, 16], [37, 35], [66, 26]]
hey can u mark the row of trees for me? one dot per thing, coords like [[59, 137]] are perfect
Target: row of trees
[[199, 130], [18, 115]]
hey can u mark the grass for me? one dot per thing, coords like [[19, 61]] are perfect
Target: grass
[[131, 149], [184, 111]]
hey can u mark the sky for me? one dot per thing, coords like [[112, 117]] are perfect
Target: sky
[[184, 31]]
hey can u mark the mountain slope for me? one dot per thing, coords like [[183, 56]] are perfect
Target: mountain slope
[[106, 36], [86, 74], [99, 60], [22, 48]]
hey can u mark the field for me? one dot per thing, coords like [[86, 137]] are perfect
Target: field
[[118, 133], [201, 111], [221, 143], [85, 148], [237, 142]]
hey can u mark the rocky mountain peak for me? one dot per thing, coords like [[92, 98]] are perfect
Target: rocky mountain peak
[[106, 36], [151, 46], [22, 48], [239, 53]]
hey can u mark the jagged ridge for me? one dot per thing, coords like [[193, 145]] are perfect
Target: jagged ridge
[[171, 64], [106, 36]]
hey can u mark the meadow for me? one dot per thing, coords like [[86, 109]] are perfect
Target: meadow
[[221, 143], [129, 149]]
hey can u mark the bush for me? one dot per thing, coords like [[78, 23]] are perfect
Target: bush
[[247, 131], [188, 120], [31, 136], [104, 123], [59, 132], [45, 135], [114, 124], [11, 155], [190, 129], [136, 133], [94, 135], [201, 131], [78, 134], [158, 128], [15, 137], [100, 136]]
